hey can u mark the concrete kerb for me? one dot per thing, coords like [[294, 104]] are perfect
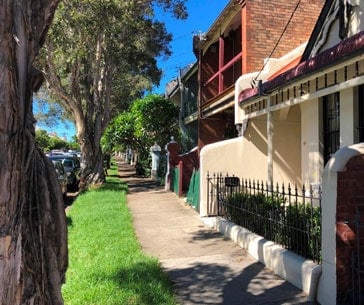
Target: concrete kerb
[[302, 273]]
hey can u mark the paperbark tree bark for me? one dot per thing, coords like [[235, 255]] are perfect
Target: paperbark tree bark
[[33, 239]]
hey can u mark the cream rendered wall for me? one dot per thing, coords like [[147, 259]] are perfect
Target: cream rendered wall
[[255, 149], [244, 157], [346, 117], [312, 164], [287, 146]]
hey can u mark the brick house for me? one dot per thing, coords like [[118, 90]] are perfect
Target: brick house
[[183, 91], [245, 33]]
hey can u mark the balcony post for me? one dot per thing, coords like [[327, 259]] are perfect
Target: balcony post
[[270, 131], [221, 63]]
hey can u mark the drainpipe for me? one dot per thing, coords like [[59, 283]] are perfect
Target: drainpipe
[[199, 99], [199, 81], [181, 88], [270, 132]]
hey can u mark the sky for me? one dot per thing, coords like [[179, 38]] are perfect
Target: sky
[[201, 15]]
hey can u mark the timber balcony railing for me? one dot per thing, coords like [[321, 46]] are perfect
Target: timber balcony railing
[[287, 216], [224, 78]]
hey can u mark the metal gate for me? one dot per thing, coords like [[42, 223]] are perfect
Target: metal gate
[[357, 260]]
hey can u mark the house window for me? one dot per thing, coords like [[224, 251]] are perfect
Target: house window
[[331, 125], [361, 113]]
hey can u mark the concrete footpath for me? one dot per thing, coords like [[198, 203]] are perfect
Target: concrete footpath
[[205, 267]]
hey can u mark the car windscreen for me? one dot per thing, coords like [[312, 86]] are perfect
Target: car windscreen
[[67, 163]]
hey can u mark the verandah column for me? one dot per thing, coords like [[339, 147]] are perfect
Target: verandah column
[[270, 131]]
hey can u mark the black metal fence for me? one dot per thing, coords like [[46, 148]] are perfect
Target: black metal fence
[[285, 215]]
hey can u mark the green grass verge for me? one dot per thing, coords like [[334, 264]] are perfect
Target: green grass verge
[[106, 264]]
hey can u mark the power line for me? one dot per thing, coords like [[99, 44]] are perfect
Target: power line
[[177, 66], [180, 55], [279, 40], [182, 36]]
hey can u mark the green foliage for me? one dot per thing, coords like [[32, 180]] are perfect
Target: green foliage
[[149, 120], [99, 56], [106, 264], [293, 225], [48, 143], [114, 42], [155, 118], [73, 144]]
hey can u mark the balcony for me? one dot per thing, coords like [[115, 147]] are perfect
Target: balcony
[[221, 66]]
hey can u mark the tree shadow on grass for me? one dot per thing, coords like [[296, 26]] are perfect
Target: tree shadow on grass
[[69, 221], [147, 281], [113, 186]]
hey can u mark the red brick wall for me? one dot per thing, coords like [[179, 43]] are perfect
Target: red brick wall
[[210, 130], [189, 162], [265, 22], [350, 194]]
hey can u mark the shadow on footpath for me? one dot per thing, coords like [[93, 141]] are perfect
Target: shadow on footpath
[[236, 282], [233, 283], [202, 284], [214, 283], [136, 183]]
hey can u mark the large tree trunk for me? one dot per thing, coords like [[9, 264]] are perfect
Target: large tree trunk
[[91, 112], [33, 239], [93, 172], [91, 154]]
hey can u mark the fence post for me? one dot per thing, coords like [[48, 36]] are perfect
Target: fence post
[[155, 151], [180, 175], [217, 194], [208, 191], [172, 149]]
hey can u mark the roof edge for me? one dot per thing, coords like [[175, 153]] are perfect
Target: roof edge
[[342, 51]]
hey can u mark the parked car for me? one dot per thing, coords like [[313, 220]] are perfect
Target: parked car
[[72, 167], [62, 176]]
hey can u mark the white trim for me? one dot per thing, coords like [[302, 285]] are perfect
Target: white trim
[[302, 273], [309, 96]]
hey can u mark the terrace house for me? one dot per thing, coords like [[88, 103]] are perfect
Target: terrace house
[[244, 34], [183, 91], [296, 123]]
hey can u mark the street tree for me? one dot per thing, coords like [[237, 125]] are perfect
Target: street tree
[[101, 55], [33, 241], [47, 143], [149, 120]]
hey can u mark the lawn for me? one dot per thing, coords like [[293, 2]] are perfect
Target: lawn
[[106, 264]]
